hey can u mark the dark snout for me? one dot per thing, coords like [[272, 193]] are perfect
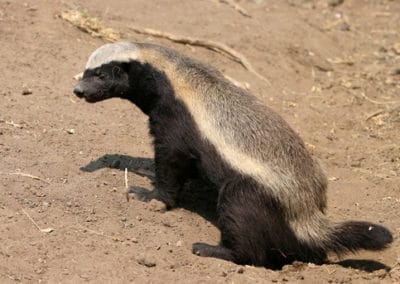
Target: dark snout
[[92, 89], [78, 91]]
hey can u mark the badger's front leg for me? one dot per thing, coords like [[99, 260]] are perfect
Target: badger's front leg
[[172, 168]]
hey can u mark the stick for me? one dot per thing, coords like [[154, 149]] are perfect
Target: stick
[[91, 231], [27, 175], [48, 230], [378, 102], [84, 23], [92, 26], [12, 123], [213, 45], [78, 77], [244, 85], [94, 232], [375, 114], [388, 110], [126, 185], [237, 7]]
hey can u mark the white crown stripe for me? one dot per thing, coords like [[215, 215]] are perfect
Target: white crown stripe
[[121, 52]]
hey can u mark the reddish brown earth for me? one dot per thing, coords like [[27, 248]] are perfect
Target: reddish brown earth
[[334, 73]]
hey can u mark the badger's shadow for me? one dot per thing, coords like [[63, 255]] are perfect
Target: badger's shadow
[[363, 264], [197, 196], [138, 165]]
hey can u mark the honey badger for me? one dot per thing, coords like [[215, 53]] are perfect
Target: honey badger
[[271, 192]]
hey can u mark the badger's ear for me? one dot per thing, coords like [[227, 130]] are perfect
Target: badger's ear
[[132, 68]]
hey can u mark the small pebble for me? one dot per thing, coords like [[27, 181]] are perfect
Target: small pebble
[[26, 91], [311, 265], [147, 260], [395, 71], [390, 81], [334, 3], [396, 48]]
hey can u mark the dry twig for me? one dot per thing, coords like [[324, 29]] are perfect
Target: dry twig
[[12, 123], [47, 230], [213, 45], [95, 28], [86, 229], [379, 112], [90, 25], [78, 77], [126, 185], [378, 102], [243, 85], [26, 175], [375, 114], [237, 7]]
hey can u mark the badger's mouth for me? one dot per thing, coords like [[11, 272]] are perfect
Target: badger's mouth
[[90, 97], [80, 93]]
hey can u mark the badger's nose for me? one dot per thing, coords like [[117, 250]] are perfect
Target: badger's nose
[[78, 91]]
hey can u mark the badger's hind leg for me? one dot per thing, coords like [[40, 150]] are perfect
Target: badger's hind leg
[[253, 228]]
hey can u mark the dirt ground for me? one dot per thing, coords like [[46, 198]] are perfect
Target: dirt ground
[[334, 70]]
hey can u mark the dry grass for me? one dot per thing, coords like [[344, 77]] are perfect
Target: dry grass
[[90, 25]]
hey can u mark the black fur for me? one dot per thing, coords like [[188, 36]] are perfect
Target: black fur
[[354, 235], [253, 223]]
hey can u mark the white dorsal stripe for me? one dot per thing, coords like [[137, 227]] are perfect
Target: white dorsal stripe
[[121, 51], [280, 181]]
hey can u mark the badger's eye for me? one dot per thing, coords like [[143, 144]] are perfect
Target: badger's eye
[[100, 74]]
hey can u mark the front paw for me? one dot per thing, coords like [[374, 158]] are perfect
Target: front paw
[[153, 197], [201, 249], [142, 194]]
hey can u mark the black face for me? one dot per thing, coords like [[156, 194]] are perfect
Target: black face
[[106, 81]]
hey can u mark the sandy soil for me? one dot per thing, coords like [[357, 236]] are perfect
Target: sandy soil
[[335, 76]]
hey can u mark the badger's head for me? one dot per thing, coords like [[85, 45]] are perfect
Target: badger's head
[[106, 72]]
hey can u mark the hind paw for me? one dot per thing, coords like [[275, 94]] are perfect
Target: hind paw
[[203, 249]]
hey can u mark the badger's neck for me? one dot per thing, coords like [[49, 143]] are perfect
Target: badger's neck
[[147, 86], [153, 79]]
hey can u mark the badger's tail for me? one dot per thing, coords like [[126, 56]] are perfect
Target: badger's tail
[[351, 236]]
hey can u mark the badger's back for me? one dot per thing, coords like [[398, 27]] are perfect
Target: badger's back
[[250, 137]]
